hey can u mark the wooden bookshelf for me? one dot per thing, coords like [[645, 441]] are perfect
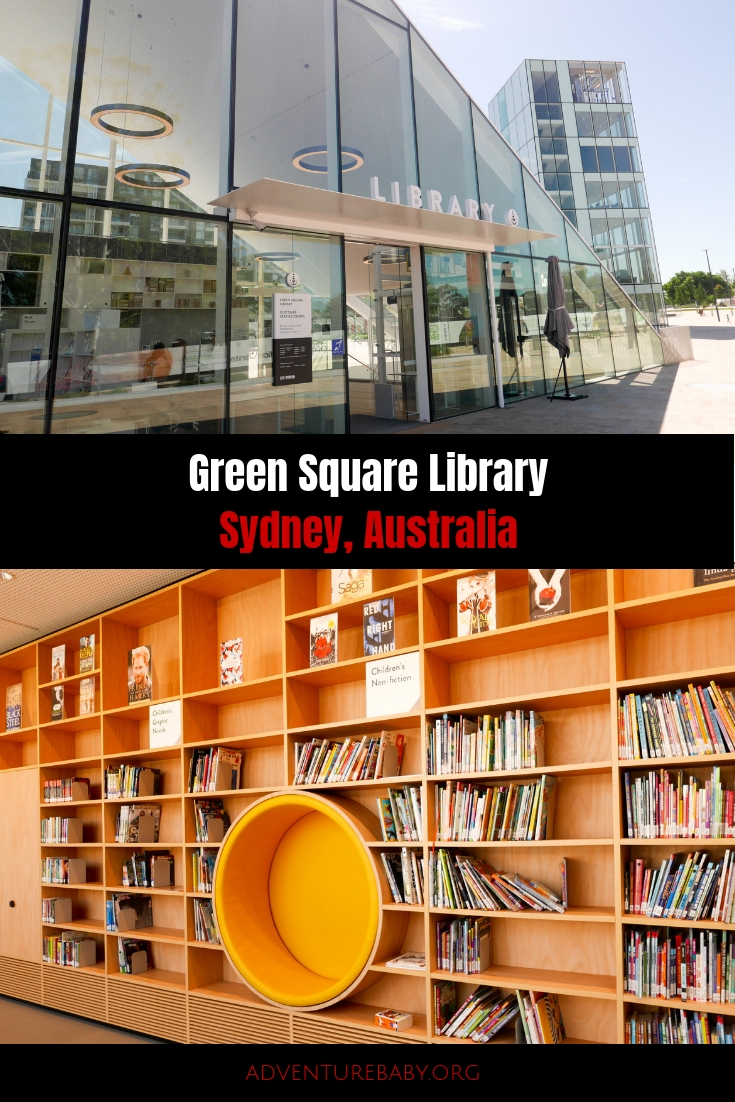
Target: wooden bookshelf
[[630, 630]]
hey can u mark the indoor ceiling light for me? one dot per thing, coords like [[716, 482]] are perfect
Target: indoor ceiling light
[[354, 159], [124, 175], [97, 119], [6, 576]]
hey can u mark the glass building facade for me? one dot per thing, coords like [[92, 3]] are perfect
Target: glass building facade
[[129, 303], [572, 124]]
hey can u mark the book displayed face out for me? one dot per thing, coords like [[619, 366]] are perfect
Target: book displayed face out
[[86, 654], [323, 640], [549, 593], [140, 685], [58, 663], [349, 584], [476, 604], [709, 577], [379, 626], [230, 662]]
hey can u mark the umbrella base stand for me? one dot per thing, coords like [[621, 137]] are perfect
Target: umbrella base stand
[[566, 396]]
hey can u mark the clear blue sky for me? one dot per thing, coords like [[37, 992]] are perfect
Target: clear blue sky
[[681, 62]]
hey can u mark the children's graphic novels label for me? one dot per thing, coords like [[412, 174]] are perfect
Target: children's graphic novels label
[[379, 626], [476, 603], [549, 593], [165, 724], [392, 685]]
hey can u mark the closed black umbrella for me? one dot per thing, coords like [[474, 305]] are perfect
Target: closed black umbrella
[[558, 326]]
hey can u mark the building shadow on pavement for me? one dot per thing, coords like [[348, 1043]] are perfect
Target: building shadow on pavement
[[635, 403]]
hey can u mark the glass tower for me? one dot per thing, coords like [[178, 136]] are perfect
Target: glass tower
[[131, 303], [572, 123]]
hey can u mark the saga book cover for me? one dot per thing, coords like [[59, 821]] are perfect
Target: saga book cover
[[379, 626], [348, 584], [58, 663], [230, 662], [709, 577], [549, 593], [86, 654], [13, 707], [476, 603], [140, 684], [323, 640]]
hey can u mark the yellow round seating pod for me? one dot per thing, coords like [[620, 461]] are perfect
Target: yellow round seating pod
[[297, 898]]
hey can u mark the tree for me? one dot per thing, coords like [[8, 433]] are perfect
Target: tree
[[688, 288]]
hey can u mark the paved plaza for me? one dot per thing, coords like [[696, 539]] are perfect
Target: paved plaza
[[693, 397]]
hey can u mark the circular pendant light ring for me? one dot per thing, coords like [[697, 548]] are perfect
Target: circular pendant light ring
[[124, 174], [351, 159], [97, 119]]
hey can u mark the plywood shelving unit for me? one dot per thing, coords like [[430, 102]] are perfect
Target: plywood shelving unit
[[630, 629]]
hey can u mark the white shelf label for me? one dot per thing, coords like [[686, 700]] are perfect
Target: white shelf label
[[393, 685]]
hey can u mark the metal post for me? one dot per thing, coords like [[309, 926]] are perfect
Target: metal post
[[709, 266], [423, 388], [494, 327]]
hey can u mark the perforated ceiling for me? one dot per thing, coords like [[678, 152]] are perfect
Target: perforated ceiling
[[37, 602]]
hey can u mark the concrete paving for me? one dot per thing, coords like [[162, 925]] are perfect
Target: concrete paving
[[696, 397]]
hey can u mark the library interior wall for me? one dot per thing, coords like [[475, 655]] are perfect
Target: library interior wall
[[646, 630]]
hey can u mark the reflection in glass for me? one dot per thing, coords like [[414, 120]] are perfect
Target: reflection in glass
[[543, 215], [444, 129], [519, 328], [620, 313], [35, 62], [141, 348], [593, 333], [457, 303], [381, 353], [28, 258], [376, 111], [261, 264], [162, 57]]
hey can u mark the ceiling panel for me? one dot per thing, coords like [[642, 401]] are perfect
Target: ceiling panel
[[37, 602]]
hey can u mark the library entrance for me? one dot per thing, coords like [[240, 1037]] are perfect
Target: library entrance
[[381, 349]]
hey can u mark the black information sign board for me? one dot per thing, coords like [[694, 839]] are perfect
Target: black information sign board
[[291, 360]]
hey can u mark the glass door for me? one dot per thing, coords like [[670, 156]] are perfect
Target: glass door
[[381, 358]]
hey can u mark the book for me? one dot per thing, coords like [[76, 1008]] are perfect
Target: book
[[385, 817], [400, 814], [86, 654], [691, 965], [60, 831], [709, 577], [70, 949], [203, 862], [663, 804], [378, 626], [483, 744], [58, 662], [57, 703], [133, 956], [405, 875], [140, 684], [164, 724], [148, 870], [549, 593], [395, 1020], [138, 823], [349, 584], [563, 868], [476, 603], [126, 780], [230, 662], [14, 707], [482, 1015], [513, 812], [129, 912], [66, 790], [86, 696], [211, 821], [463, 882], [205, 924], [63, 870], [445, 1004], [685, 723], [678, 1027], [214, 769], [415, 961], [540, 1016], [56, 911], [463, 945], [320, 761], [323, 640]]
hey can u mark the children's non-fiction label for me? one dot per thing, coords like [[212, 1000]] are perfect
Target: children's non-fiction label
[[393, 685]]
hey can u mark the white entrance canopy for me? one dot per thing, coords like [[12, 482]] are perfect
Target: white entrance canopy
[[277, 203]]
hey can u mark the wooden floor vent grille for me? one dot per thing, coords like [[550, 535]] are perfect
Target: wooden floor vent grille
[[146, 1009], [221, 1022], [21, 979], [75, 992], [312, 1031]]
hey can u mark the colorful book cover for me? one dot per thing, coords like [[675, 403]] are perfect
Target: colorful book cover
[[379, 626], [86, 696], [57, 703], [13, 707], [445, 1004], [323, 640], [709, 577], [140, 685], [387, 820], [86, 654], [549, 593], [58, 662], [564, 884], [230, 662], [476, 604], [349, 584]]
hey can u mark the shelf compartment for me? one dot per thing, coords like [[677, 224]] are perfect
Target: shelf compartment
[[170, 828], [350, 639], [309, 592], [454, 673], [72, 701], [154, 622], [89, 816], [353, 1022], [341, 672], [70, 740], [18, 752], [672, 607], [604, 915], [20, 667], [637, 585], [522, 637], [209, 722], [234, 804], [224, 605], [88, 906], [587, 985], [129, 734], [262, 767], [673, 635], [167, 761]]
